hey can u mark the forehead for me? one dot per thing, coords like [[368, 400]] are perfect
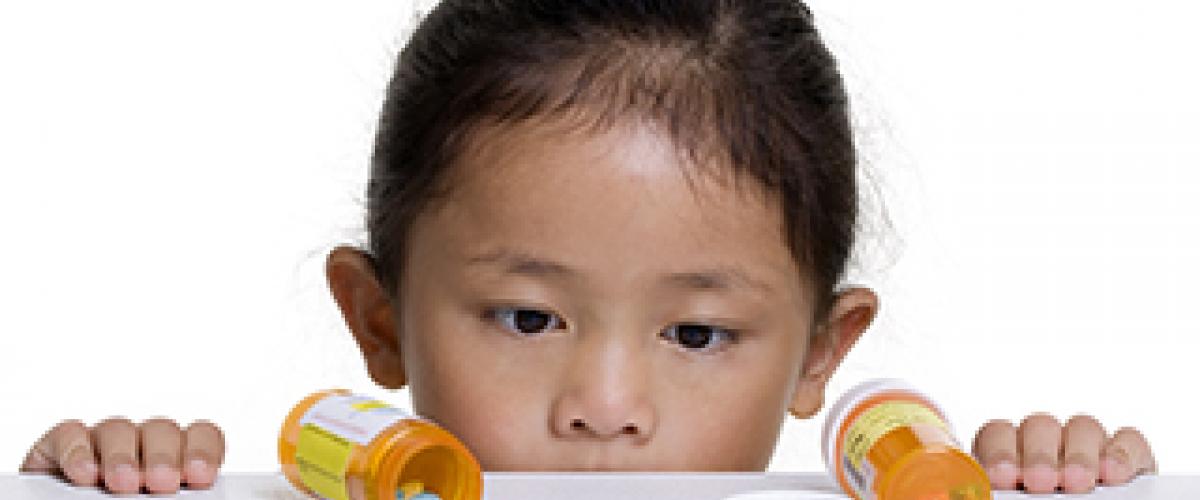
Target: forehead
[[623, 198]]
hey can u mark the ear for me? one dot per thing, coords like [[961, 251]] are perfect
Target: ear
[[368, 312], [851, 314]]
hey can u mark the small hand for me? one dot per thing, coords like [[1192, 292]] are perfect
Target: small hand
[[1043, 455], [157, 454]]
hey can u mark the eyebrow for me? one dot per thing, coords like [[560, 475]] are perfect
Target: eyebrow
[[719, 279]]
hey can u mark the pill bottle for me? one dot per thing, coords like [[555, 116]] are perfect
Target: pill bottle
[[884, 440], [342, 446]]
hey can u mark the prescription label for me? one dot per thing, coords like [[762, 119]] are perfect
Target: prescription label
[[321, 460], [355, 418], [872, 425]]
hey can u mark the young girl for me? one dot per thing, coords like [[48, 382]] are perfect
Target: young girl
[[604, 235]]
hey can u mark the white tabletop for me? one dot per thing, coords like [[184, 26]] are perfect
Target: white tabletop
[[598, 486]]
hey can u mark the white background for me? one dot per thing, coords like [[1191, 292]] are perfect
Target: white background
[[172, 176]]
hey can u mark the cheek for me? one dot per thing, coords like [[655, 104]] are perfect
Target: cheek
[[741, 442], [466, 382], [731, 422], [496, 427]]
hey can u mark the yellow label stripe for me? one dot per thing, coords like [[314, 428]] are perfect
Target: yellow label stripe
[[322, 458]]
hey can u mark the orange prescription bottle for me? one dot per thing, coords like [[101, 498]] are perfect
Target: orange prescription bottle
[[884, 440], [343, 446]]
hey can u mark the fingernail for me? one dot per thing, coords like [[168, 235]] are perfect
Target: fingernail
[[84, 472], [198, 472], [124, 478], [1040, 478], [162, 478], [1116, 471], [81, 466], [1116, 468], [1003, 475], [1078, 479]]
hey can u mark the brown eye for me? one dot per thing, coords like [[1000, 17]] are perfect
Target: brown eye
[[526, 322], [697, 337]]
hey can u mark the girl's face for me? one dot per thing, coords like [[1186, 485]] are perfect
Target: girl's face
[[574, 304]]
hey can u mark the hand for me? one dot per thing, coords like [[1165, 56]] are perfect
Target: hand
[[167, 454], [1043, 455]]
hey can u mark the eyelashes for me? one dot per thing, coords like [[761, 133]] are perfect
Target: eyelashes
[[699, 337], [690, 336], [525, 322]]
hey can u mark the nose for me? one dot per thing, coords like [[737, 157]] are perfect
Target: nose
[[605, 395]]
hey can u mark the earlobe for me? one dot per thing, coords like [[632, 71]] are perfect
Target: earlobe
[[368, 313], [851, 314]]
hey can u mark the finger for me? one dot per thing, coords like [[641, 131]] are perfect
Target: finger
[[995, 446], [117, 439], [204, 451], [1126, 455], [67, 449], [1039, 441], [1082, 438], [39, 460], [162, 443]]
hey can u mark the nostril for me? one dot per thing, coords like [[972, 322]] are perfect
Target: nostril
[[629, 429], [577, 424]]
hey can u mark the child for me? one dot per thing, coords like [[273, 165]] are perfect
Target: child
[[606, 235]]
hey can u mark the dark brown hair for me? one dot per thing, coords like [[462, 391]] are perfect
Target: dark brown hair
[[748, 82]]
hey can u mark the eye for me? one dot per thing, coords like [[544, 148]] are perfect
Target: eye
[[698, 337], [526, 322]]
